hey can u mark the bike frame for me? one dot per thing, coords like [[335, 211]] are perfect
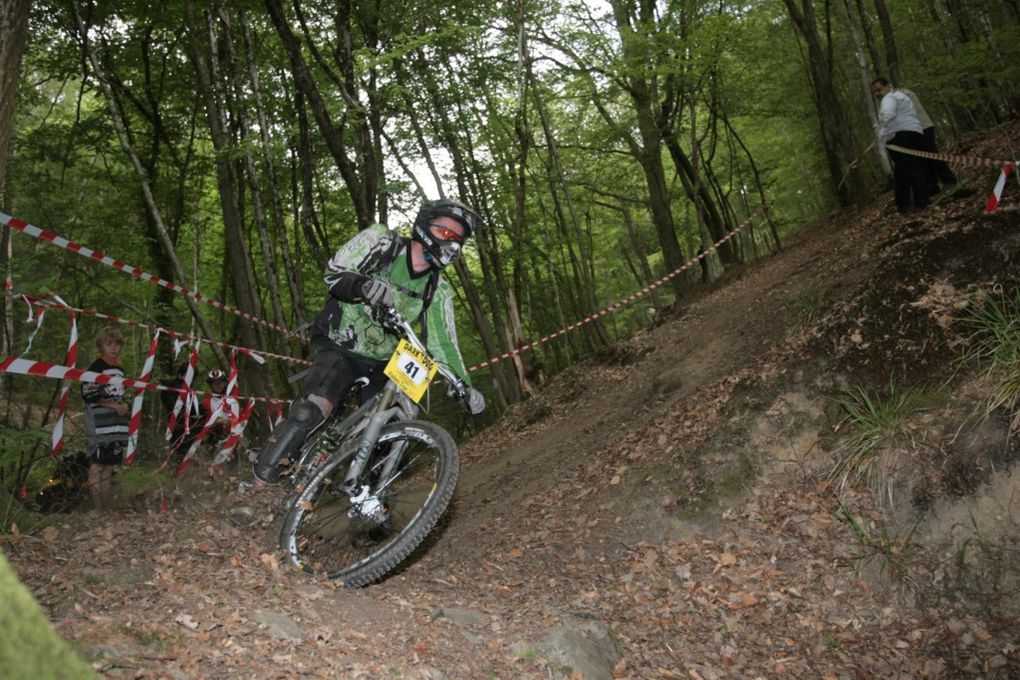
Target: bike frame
[[389, 405]]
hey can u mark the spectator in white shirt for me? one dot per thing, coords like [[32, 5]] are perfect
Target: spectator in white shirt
[[899, 125], [941, 170]]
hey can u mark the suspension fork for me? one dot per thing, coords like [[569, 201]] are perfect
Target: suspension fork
[[381, 415]]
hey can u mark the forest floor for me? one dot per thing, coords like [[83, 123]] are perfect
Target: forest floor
[[662, 510]]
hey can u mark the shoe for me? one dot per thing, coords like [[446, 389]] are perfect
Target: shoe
[[268, 476]]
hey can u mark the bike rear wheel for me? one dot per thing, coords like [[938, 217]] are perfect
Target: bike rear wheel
[[359, 542]]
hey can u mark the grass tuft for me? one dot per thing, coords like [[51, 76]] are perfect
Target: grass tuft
[[879, 423], [993, 346]]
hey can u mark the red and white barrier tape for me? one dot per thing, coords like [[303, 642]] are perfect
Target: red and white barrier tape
[[616, 305], [42, 369], [236, 430], [207, 426], [136, 404], [39, 315], [276, 413], [57, 438], [955, 159], [993, 201], [59, 241], [185, 397], [257, 355]]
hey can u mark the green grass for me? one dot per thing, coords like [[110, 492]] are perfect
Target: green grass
[[878, 422], [895, 553], [993, 346]]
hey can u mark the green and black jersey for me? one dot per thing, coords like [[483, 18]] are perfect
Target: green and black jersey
[[380, 253]]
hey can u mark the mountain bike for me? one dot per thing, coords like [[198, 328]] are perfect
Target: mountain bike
[[367, 488]]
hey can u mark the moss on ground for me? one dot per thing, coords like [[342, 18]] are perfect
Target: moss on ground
[[29, 646]]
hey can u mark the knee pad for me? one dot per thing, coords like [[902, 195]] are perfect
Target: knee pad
[[306, 412]]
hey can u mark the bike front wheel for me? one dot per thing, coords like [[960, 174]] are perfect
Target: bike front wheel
[[357, 535]]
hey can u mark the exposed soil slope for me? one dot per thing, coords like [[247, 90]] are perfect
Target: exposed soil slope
[[666, 496]]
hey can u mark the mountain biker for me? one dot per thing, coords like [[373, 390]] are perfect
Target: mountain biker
[[378, 269]]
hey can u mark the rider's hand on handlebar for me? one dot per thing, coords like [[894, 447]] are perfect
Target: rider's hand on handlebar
[[473, 401], [469, 398], [377, 293]]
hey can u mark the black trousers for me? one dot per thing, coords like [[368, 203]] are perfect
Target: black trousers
[[335, 369], [912, 176], [940, 169]]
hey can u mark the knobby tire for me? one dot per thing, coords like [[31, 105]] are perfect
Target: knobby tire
[[319, 535]]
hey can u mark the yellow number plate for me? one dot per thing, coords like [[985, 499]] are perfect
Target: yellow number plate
[[411, 370]]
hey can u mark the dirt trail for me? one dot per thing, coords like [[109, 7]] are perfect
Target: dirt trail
[[566, 514], [714, 334]]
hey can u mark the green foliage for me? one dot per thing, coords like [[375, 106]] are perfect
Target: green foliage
[[20, 453], [531, 101]]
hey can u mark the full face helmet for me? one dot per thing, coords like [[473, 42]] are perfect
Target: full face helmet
[[441, 249]]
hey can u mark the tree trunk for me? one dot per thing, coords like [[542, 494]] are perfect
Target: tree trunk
[[869, 100], [892, 58], [309, 219], [149, 200], [291, 269], [242, 275], [869, 37], [568, 219], [642, 91], [757, 183], [634, 239], [525, 364], [363, 198], [13, 37], [271, 278], [835, 127]]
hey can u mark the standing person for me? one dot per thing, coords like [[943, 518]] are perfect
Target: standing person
[[378, 268], [899, 124], [940, 169], [108, 414]]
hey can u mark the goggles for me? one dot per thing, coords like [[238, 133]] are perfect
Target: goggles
[[445, 234]]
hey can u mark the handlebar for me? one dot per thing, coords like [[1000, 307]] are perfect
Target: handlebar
[[394, 321]]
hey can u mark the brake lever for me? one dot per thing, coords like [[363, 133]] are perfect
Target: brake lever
[[456, 390], [387, 317]]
